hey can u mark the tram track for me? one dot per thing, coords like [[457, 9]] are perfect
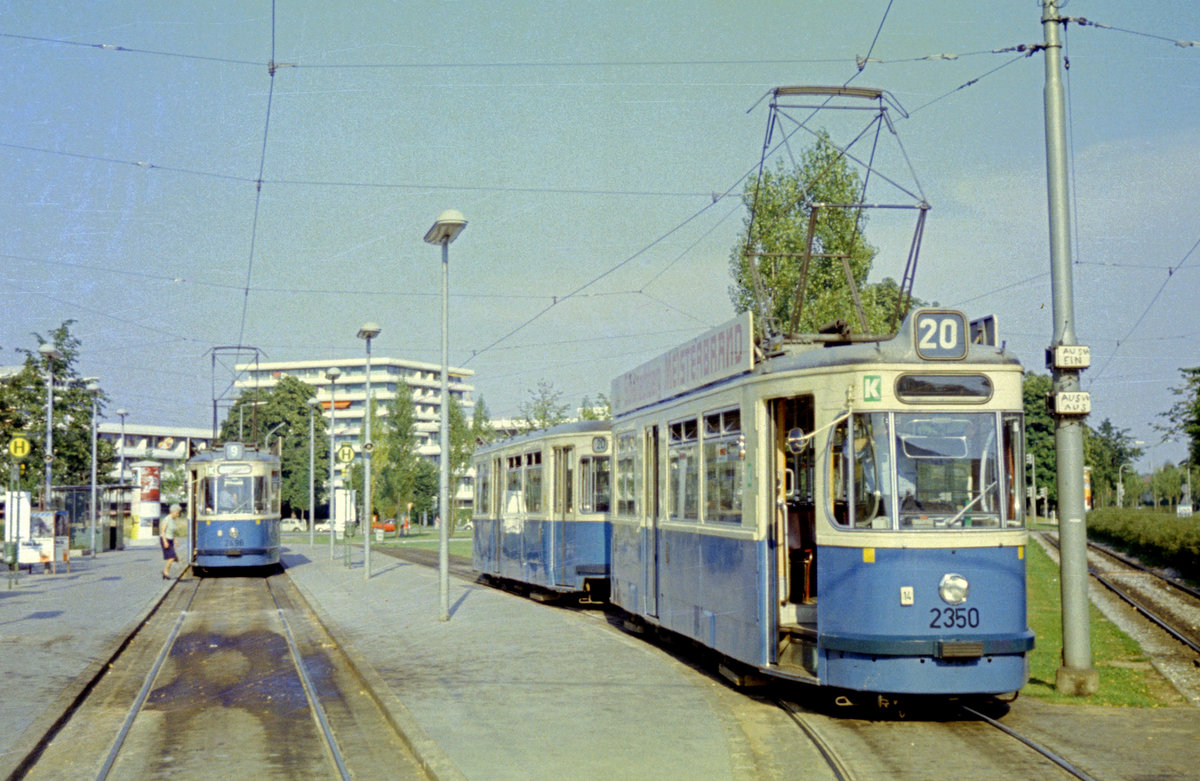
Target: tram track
[[937, 739], [1168, 603], [228, 672]]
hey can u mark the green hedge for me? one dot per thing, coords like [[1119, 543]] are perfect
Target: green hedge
[[1158, 539]]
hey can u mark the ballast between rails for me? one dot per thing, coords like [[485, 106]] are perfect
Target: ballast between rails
[[842, 512]]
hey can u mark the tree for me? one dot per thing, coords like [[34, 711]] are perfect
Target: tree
[[23, 412], [1182, 420], [481, 425], [396, 460], [600, 409], [281, 415], [1106, 449], [1039, 432], [462, 447], [779, 206], [1166, 483], [543, 408]]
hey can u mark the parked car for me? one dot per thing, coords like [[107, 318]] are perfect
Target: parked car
[[293, 525], [322, 526], [388, 525]]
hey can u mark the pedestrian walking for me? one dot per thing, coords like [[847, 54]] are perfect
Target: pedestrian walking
[[166, 536]]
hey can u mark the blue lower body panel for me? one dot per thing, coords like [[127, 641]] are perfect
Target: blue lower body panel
[[256, 544], [555, 555], [882, 625], [702, 586]]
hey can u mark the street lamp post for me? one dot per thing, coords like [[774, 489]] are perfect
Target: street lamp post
[[51, 355], [331, 374], [93, 388], [368, 332], [312, 473], [121, 477], [449, 224]]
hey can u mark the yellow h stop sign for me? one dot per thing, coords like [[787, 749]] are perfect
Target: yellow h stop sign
[[18, 447]]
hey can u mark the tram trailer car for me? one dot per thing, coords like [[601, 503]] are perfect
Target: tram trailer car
[[541, 509], [831, 510], [234, 509]]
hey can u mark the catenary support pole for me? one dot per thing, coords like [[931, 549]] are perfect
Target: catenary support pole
[[1076, 675]]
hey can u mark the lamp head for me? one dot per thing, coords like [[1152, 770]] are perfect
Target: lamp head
[[447, 227], [368, 331], [332, 373]]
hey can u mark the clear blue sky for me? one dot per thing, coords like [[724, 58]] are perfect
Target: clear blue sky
[[584, 142]]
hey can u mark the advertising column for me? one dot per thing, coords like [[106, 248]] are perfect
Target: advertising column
[[147, 509]]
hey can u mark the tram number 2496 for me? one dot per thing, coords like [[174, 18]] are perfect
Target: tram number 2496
[[954, 618]]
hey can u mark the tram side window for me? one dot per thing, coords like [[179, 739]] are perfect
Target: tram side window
[[722, 447], [482, 488], [597, 484], [626, 471], [533, 481], [684, 471], [276, 493], [514, 497], [1014, 463]]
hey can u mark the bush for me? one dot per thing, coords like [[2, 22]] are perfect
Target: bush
[[1158, 539]]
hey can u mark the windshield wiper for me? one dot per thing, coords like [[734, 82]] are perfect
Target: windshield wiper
[[969, 504]]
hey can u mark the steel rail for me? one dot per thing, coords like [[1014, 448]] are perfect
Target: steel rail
[[839, 768], [163, 652], [1131, 600], [1038, 747], [310, 691]]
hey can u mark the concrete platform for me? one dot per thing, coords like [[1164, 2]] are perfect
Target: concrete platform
[[57, 630], [512, 689]]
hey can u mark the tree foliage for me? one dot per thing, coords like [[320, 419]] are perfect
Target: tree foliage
[[1182, 420], [600, 409], [396, 459], [1039, 433], [278, 420], [1106, 449], [544, 408], [779, 206], [23, 413]]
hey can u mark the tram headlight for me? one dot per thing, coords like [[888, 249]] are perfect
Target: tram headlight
[[233, 535], [953, 589]]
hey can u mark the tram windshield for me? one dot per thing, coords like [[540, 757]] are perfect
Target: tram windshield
[[928, 471], [236, 494]]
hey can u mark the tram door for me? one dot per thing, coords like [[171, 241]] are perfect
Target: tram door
[[564, 508], [653, 517], [795, 514]]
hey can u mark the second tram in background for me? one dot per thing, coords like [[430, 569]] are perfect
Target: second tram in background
[[541, 509], [234, 508], [845, 511]]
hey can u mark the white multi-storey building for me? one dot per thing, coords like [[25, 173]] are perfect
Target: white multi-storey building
[[389, 376]]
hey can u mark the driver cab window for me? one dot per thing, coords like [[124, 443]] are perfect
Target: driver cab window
[[860, 472]]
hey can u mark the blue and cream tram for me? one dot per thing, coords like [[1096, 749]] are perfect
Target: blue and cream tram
[[234, 507], [541, 505], [830, 509]]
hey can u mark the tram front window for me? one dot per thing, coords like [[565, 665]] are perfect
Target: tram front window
[[236, 495], [925, 471], [947, 471], [863, 495]]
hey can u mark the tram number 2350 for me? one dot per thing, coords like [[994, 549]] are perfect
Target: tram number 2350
[[954, 618]]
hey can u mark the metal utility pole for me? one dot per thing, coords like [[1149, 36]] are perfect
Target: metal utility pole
[[1066, 358]]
